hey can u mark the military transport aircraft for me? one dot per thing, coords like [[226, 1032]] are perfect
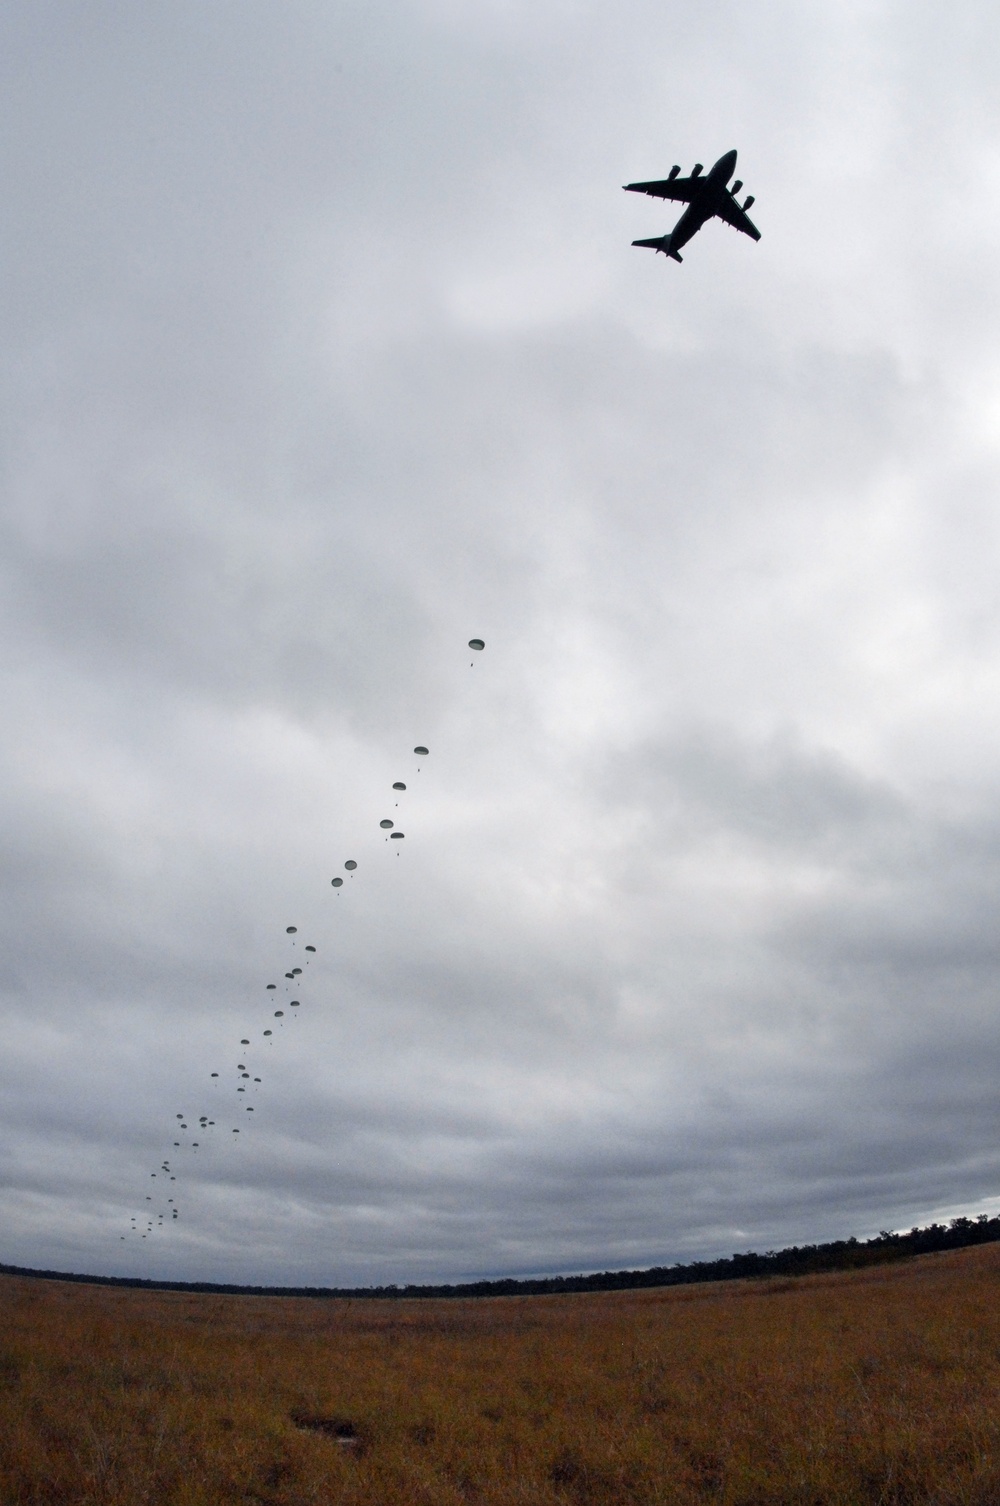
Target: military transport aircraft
[[705, 197]]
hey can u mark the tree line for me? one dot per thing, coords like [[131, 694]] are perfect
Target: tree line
[[796, 1260]]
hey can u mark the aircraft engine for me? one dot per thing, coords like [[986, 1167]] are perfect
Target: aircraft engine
[[737, 185], [748, 201], [671, 175], [698, 168]]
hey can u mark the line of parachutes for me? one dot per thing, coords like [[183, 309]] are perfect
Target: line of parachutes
[[165, 1174]]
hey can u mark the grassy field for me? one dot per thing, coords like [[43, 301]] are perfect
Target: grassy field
[[881, 1385]]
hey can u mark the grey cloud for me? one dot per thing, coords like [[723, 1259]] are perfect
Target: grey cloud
[[325, 351]]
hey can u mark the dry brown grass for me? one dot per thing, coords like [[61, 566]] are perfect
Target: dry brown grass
[[878, 1386]]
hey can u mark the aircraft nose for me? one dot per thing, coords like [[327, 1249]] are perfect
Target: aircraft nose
[[728, 163]]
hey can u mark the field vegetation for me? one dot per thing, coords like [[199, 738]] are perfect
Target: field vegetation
[[878, 1385]]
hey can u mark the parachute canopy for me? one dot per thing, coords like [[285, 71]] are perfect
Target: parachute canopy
[[476, 643], [386, 824], [310, 948], [290, 930], [336, 882], [399, 785], [422, 751], [397, 836], [350, 865]]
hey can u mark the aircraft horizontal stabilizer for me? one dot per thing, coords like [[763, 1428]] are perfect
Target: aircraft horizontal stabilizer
[[661, 243]]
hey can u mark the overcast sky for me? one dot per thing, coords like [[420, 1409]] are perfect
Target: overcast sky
[[324, 350]]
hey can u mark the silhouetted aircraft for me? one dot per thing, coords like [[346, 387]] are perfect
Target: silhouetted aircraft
[[705, 197]]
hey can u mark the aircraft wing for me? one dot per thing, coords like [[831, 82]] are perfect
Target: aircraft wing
[[733, 215], [681, 189]]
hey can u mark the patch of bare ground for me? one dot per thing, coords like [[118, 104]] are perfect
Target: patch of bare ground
[[879, 1387]]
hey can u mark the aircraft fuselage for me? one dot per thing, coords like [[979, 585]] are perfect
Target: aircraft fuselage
[[702, 208]]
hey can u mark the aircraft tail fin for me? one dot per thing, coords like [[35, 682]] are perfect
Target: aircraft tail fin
[[661, 243]]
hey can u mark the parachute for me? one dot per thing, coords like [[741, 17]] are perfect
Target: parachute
[[350, 865], [399, 785], [385, 825], [421, 751], [476, 643], [290, 930], [336, 882]]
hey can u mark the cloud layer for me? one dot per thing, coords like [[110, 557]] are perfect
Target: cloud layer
[[325, 350]]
